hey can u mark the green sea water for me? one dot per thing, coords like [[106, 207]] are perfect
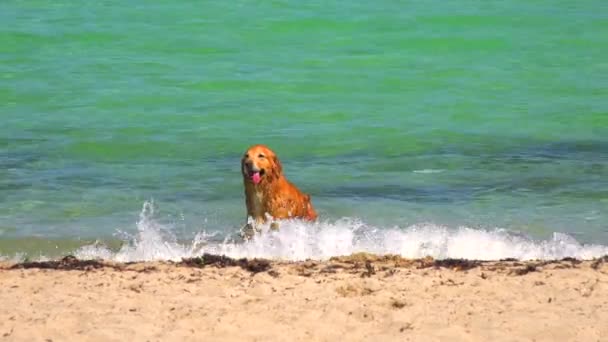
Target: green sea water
[[486, 115]]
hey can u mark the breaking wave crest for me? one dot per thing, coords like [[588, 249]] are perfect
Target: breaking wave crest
[[297, 240]]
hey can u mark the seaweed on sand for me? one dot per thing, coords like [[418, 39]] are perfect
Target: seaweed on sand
[[599, 262], [67, 263], [364, 259], [456, 264], [221, 261]]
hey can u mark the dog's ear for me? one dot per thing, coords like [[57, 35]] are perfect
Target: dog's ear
[[243, 163], [277, 168]]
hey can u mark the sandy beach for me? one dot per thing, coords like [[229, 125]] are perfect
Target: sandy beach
[[356, 298]]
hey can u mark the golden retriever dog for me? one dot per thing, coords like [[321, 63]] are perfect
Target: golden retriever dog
[[268, 192]]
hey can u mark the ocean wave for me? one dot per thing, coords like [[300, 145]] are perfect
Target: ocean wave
[[297, 240], [428, 171]]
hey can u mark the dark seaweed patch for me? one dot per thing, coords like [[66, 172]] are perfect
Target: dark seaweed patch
[[221, 261], [598, 263], [455, 264], [525, 270], [68, 263], [571, 260], [369, 270]]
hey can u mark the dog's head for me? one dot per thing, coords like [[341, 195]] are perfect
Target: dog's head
[[260, 164]]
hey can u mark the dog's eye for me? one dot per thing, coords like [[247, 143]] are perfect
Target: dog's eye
[[247, 155], [261, 156]]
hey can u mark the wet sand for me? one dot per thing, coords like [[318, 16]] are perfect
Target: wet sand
[[356, 298]]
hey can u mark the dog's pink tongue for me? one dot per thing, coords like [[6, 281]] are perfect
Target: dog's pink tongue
[[256, 178]]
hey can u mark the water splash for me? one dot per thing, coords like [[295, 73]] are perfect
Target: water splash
[[153, 241], [17, 257], [297, 240]]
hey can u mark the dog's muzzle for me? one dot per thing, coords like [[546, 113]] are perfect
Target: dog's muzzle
[[253, 172]]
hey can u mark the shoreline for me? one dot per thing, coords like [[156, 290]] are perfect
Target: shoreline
[[256, 265], [356, 297]]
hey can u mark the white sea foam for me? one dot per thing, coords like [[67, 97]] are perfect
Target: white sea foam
[[17, 257], [428, 171], [297, 240]]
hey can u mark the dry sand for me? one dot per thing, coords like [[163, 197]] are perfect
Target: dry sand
[[356, 298]]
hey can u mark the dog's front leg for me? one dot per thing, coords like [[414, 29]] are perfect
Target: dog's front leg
[[247, 232], [274, 226], [249, 229]]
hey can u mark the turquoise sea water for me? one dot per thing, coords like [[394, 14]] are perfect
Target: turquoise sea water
[[410, 117]]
